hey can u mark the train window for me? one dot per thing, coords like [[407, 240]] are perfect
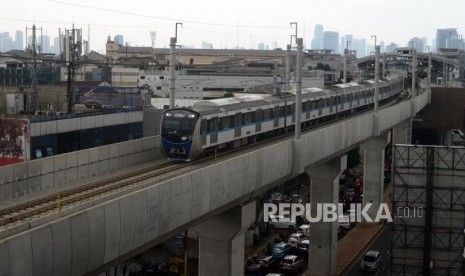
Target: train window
[[282, 111], [225, 123], [266, 114], [289, 109], [331, 101], [231, 121], [314, 105], [326, 102], [247, 118], [209, 126]]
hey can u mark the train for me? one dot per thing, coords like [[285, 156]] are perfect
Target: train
[[209, 125]]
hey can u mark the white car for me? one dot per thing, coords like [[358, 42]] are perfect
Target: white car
[[371, 261], [304, 229], [281, 223], [295, 239]]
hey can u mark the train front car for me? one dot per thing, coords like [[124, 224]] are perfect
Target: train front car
[[179, 129]]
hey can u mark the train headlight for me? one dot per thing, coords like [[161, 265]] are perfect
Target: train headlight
[[168, 114], [191, 116]]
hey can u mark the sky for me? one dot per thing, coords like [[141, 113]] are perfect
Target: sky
[[228, 24]]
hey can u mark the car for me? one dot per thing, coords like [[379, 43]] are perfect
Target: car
[[303, 247], [292, 263], [293, 242], [281, 223], [261, 265], [295, 239], [276, 198], [344, 222], [298, 236], [274, 274], [371, 261], [254, 268], [281, 249], [304, 229], [268, 263]]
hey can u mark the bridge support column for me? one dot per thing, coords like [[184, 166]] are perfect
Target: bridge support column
[[324, 188], [222, 241], [373, 173], [401, 133]]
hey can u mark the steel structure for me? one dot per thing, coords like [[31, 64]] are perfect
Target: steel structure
[[428, 211]]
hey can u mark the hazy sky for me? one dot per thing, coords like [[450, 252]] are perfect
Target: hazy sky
[[231, 23]]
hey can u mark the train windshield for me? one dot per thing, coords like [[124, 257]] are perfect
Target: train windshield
[[178, 127]]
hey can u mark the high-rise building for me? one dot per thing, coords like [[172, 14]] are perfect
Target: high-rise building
[[274, 45], [19, 40], [3, 36], [56, 46], [417, 44], [425, 44], [391, 47], [360, 45], [119, 39], [261, 46], [45, 44], [207, 45], [317, 41], [346, 42], [444, 37], [331, 41]]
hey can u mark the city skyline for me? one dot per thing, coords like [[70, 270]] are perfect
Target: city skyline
[[230, 25]]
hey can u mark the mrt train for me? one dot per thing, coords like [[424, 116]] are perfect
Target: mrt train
[[187, 133]]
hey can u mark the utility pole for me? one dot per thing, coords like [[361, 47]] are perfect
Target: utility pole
[[346, 53], [376, 78], [288, 67], [72, 51], [173, 41], [414, 72], [376, 98], [298, 94], [31, 103]]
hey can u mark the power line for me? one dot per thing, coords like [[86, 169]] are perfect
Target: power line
[[164, 18]]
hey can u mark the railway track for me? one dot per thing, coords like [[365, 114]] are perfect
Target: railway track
[[56, 202]]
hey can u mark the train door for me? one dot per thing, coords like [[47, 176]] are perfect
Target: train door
[[320, 107], [331, 101], [237, 124], [258, 121], [203, 132], [213, 130]]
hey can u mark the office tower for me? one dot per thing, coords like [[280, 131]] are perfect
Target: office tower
[[45, 44], [391, 47], [444, 37], [119, 39], [331, 41], [317, 41], [19, 40], [207, 45]]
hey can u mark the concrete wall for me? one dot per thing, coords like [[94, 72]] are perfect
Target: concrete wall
[[88, 239], [88, 122], [66, 169]]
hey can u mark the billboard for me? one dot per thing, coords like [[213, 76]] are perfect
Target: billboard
[[14, 141]]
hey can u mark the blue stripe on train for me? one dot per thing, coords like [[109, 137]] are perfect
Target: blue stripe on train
[[177, 151]]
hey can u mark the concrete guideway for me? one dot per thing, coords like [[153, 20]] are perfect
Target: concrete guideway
[[101, 235]]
